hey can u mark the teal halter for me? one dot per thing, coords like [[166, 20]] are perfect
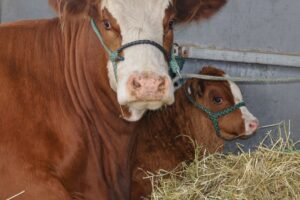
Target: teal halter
[[214, 116], [114, 56]]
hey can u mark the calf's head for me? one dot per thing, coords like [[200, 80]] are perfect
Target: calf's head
[[219, 96], [141, 80]]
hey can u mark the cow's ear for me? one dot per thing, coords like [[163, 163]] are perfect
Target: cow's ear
[[75, 8], [190, 10], [195, 88]]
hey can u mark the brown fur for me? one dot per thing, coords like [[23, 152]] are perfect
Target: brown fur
[[187, 10], [161, 143], [75, 8], [61, 137]]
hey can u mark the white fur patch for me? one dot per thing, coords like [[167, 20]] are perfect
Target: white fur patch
[[138, 20], [246, 115], [135, 115]]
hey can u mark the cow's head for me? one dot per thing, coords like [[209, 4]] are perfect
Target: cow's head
[[217, 96], [141, 80]]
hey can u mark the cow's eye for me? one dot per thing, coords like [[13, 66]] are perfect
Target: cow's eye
[[107, 25], [217, 100], [171, 24]]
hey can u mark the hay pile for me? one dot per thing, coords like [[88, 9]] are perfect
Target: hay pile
[[268, 173]]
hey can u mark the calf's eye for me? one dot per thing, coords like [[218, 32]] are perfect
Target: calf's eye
[[107, 25], [217, 100], [171, 24]]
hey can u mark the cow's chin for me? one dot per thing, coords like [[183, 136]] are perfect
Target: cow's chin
[[151, 105], [137, 109], [134, 115], [231, 136]]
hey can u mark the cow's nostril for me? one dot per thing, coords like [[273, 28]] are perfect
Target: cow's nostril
[[162, 84], [253, 124], [136, 84]]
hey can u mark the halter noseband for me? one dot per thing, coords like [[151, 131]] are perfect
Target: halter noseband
[[214, 116], [114, 56]]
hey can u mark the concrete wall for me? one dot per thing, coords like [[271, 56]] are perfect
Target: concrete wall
[[12, 10], [269, 25]]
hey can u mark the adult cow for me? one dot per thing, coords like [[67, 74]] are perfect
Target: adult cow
[[161, 141], [61, 90]]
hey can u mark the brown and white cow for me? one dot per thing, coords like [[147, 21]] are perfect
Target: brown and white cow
[[161, 141], [61, 135], [143, 82]]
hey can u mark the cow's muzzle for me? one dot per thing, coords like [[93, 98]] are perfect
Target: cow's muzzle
[[148, 87]]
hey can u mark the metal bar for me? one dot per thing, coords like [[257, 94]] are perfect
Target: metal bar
[[0, 11], [253, 57]]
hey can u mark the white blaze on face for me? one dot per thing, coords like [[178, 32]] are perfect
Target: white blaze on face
[[246, 115], [139, 20]]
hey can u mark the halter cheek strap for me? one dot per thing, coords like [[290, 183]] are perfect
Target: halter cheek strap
[[114, 56], [214, 116]]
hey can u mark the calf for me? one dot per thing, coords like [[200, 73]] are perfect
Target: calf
[[161, 143]]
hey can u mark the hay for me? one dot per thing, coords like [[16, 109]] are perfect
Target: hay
[[268, 173]]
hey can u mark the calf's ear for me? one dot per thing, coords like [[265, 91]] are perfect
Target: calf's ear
[[196, 87], [212, 71], [190, 10], [75, 8]]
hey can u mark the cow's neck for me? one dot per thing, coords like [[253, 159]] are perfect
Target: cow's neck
[[165, 130], [181, 119], [169, 118], [95, 102]]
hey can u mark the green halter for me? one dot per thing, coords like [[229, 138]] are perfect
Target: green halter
[[214, 116], [114, 56]]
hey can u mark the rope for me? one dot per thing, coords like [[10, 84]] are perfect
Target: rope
[[99, 36], [174, 67], [213, 116], [176, 64], [239, 79], [142, 42]]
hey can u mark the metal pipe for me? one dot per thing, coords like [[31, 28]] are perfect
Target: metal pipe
[[0, 11], [252, 57]]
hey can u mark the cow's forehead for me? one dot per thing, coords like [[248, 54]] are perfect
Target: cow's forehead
[[128, 7], [140, 16]]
